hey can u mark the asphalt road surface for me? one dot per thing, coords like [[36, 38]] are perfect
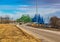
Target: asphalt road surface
[[45, 35]]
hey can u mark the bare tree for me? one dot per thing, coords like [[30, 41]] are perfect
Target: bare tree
[[54, 21]]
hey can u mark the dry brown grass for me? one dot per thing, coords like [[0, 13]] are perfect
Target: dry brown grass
[[10, 33]]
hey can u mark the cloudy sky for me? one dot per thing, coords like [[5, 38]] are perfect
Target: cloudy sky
[[15, 8]]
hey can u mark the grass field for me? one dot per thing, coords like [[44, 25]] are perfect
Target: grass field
[[11, 33]]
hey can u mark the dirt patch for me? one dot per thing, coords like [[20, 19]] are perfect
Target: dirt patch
[[10, 33]]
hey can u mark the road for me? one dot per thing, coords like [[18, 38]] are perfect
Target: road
[[45, 35]]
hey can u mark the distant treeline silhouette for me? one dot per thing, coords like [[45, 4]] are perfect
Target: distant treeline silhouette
[[5, 19]]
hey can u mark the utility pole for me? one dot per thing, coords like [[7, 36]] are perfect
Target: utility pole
[[36, 6], [37, 12]]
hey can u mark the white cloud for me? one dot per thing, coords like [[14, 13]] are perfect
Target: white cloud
[[25, 9], [45, 11], [57, 4]]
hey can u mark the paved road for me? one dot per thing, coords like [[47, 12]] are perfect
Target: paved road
[[46, 35]]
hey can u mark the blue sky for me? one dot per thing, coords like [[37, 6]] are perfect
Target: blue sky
[[15, 8]]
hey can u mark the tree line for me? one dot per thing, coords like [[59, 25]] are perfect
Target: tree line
[[54, 21], [5, 19], [27, 18]]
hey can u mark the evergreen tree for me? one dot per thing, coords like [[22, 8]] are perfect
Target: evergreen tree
[[34, 18], [37, 18], [42, 21]]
